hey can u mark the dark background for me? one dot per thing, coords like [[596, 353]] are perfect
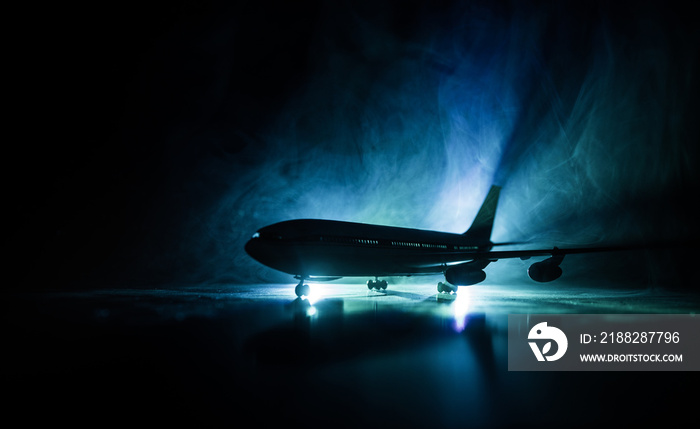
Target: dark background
[[160, 136], [153, 139]]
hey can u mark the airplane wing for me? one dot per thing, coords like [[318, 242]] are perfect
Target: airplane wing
[[556, 251], [545, 270]]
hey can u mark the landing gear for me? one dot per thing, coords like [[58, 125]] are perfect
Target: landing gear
[[377, 284], [301, 289], [446, 288]]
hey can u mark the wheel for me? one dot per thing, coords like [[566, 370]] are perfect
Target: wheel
[[445, 287], [370, 284], [302, 290], [383, 284]]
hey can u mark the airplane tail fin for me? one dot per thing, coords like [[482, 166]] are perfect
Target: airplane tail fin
[[480, 231]]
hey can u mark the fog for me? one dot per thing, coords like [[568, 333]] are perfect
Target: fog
[[233, 117]]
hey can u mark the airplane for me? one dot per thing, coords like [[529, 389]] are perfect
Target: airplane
[[325, 250]]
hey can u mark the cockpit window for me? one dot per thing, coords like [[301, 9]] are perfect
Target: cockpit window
[[256, 235]]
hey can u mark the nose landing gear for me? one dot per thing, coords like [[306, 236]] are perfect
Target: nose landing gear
[[302, 289]]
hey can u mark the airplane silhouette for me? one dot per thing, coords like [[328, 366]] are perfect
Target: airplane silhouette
[[326, 250]]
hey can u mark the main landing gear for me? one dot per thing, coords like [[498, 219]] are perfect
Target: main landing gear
[[377, 284], [301, 289], [446, 288]]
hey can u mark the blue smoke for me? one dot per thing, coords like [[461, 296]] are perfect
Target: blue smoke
[[405, 114]]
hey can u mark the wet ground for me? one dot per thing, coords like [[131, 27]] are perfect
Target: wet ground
[[345, 357]]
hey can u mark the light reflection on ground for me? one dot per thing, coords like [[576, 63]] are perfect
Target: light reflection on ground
[[404, 356]]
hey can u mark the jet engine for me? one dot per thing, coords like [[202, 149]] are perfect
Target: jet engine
[[547, 270], [464, 275]]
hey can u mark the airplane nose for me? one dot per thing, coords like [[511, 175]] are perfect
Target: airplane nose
[[254, 248], [251, 247]]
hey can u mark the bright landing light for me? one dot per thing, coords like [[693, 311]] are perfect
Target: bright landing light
[[460, 309], [315, 294]]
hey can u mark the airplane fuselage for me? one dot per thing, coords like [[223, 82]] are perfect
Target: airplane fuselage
[[309, 247]]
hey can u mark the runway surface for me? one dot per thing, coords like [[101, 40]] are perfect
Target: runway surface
[[345, 357]]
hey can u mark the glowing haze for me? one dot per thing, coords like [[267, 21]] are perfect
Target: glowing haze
[[401, 114], [579, 121]]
